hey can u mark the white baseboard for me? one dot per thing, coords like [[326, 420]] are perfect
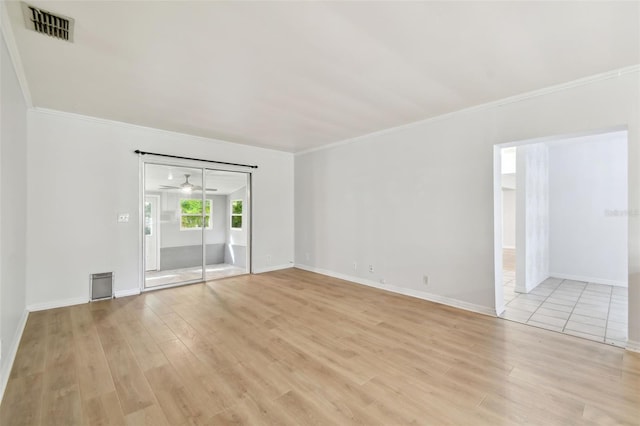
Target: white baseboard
[[588, 279], [10, 357], [272, 268], [633, 346], [57, 304], [126, 293], [76, 301], [405, 291]]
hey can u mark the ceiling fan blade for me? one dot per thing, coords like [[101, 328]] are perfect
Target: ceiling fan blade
[[199, 188], [194, 188]]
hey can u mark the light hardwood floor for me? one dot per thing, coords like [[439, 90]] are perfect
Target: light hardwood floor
[[175, 276], [292, 347]]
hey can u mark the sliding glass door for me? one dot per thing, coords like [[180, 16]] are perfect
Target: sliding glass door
[[196, 224], [175, 215], [228, 241]]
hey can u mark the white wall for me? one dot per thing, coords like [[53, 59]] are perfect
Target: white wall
[[419, 199], [13, 205], [588, 208], [78, 161], [532, 216], [508, 218]]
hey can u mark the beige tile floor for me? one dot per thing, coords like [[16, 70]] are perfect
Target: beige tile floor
[[592, 311], [173, 276]]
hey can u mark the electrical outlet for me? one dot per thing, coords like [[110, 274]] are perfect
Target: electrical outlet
[[269, 259], [371, 269], [383, 281], [425, 279], [307, 256], [123, 217], [355, 266]]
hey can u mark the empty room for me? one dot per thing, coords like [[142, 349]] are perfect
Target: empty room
[[329, 213]]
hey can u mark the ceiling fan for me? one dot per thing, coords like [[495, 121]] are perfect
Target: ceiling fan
[[187, 186]]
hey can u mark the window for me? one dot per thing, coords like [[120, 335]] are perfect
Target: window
[[191, 214], [236, 214]]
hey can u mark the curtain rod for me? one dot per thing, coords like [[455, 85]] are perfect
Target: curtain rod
[[137, 151]]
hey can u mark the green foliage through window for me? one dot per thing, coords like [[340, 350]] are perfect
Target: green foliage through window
[[194, 206], [236, 214], [236, 222], [191, 214]]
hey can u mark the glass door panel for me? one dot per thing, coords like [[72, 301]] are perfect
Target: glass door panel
[[227, 241], [175, 218]]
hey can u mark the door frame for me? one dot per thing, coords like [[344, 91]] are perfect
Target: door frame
[[498, 290], [204, 165]]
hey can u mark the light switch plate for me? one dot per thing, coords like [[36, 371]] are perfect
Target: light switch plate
[[123, 217]]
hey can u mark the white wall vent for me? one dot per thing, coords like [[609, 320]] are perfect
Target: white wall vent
[[48, 23], [102, 286]]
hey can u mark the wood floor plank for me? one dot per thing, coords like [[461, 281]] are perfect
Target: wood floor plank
[[202, 380], [60, 343], [305, 410], [103, 410], [176, 401], [143, 346], [260, 384], [131, 386], [23, 397], [94, 375], [251, 412], [148, 416], [154, 325], [294, 347], [30, 358], [61, 400]]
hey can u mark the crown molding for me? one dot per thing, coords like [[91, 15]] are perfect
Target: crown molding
[[500, 102], [12, 47]]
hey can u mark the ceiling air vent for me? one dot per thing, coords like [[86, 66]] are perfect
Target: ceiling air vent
[[48, 23]]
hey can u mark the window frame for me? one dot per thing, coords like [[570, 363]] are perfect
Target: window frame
[[240, 215], [204, 212]]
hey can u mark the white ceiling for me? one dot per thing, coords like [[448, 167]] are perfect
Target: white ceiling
[[298, 75]]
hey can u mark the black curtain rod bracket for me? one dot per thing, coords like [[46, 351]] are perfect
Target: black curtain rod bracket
[[137, 151]]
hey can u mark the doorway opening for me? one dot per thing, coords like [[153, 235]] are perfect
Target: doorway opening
[[561, 234], [196, 224]]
